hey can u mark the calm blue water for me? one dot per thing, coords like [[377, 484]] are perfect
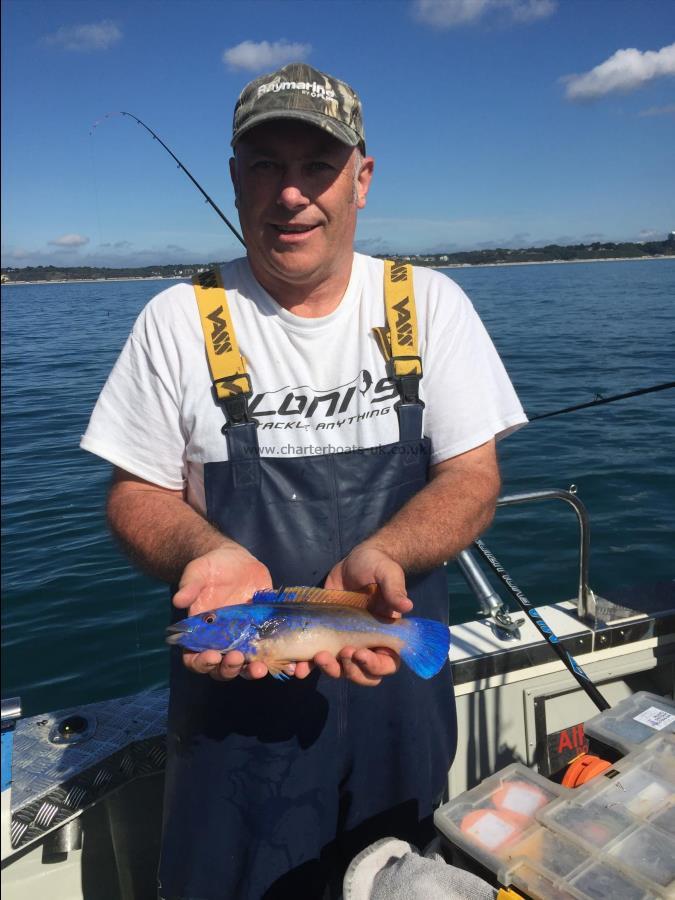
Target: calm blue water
[[79, 624]]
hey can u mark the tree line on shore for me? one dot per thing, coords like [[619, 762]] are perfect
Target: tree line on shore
[[549, 253]]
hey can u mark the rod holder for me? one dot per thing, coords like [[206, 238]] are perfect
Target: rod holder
[[490, 602], [585, 596]]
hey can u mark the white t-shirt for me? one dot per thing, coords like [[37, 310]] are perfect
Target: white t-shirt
[[319, 385]]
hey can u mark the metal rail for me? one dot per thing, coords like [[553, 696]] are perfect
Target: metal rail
[[585, 596], [11, 709]]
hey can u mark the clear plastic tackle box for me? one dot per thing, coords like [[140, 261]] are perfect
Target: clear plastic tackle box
[[633, 721], [613, 837]]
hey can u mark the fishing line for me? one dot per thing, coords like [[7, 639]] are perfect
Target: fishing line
[[180, 166], [97, 198], [599, 400], [570, 663]]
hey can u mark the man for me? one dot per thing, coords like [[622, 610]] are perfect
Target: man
[[314, 460]]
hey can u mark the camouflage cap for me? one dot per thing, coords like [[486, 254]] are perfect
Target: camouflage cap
[[298, 91]]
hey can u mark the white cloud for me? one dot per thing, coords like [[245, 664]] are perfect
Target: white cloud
[[14, 254], [373, 245], [451, 13], [659, 111], [264, 55], [592, 237], [120, 253], [626, 70], [71, 241], [530, 10], [117, 245], [97, 36]]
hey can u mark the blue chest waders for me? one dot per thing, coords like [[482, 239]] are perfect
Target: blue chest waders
[[273, 787]]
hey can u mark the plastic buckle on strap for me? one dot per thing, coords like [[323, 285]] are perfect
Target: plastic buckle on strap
[[408, 384], [236, 401], [391, 366], [234, 389], [236, 410], [409, 390]]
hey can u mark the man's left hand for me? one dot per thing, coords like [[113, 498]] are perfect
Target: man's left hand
[[365, 565]]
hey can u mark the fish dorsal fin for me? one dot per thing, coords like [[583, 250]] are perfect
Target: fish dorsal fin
[[355, 599]]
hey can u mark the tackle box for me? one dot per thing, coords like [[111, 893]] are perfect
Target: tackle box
[[633, 721], [591, 880], [485, 821], [613, 837]]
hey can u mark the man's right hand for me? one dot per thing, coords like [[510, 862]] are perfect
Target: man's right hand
[[222, 577], [173, 542]]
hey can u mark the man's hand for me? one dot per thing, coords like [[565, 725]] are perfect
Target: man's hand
[[172, 541], [367, 565], [222, 577]]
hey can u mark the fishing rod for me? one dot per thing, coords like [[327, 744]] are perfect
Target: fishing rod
[[568, 660], [180, 166], [599, 400]]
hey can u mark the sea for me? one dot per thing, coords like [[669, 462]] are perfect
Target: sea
[[79, 623]]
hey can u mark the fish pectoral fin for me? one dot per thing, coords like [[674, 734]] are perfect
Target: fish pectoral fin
[[279, 668]]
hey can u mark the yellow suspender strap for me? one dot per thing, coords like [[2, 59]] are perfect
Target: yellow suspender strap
[[227, 365], [399, 340]]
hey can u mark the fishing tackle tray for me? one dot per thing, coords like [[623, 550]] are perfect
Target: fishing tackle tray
[[613, 837], [633, 721]]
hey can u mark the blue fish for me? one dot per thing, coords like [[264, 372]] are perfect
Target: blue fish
[[280, 627]]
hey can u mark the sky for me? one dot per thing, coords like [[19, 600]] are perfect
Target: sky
[[493, 123]]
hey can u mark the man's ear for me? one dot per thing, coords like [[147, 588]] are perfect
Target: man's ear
[[363, 181]]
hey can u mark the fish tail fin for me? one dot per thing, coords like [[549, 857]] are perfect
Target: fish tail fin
[[426, 645]]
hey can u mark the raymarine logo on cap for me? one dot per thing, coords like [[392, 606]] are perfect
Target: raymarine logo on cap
[[311, 88], [301, 92]]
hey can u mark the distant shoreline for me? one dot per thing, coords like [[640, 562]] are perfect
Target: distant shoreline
[[547, 262], [540, 262], [99, 280]]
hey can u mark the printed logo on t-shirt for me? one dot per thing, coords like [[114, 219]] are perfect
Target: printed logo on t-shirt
[[305, 407]]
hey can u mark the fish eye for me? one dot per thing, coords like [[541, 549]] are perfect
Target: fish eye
[[209, 618]]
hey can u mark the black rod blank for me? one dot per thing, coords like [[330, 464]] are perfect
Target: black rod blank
[[600, 400], [189, 175], [570, 663]]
